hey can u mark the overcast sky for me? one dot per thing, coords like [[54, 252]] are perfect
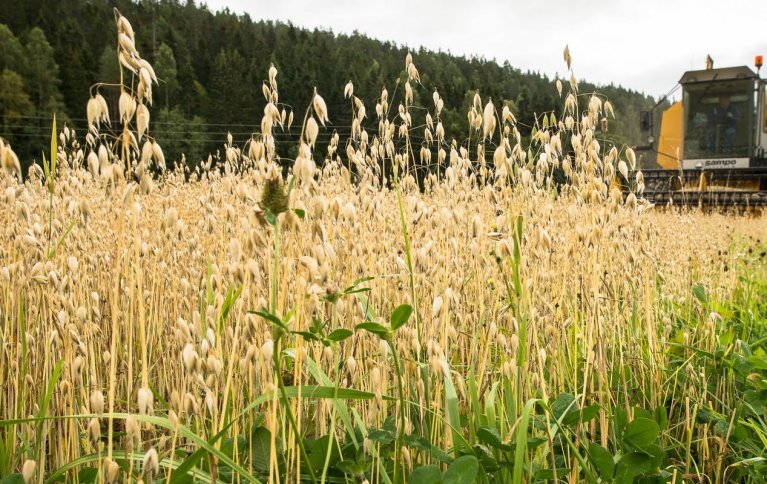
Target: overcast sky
[[644, 45]]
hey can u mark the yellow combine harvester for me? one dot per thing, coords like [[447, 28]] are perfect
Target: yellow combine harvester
[[712, 145]]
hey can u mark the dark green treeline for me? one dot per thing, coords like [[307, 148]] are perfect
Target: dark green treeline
[[212, 66]]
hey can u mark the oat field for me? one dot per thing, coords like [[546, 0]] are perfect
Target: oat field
[[343, 317]]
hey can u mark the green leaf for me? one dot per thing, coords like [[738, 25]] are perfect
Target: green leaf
[[353, 288], [631, 465], [306, 335], [232, 295], [260, 447], [619, 419], [301, 213], [52, 252], [548, 474], [739, 433], [239, 442], [209, 285], [351, 467], [517, 260], [758, 362], [181, 474], [13, 479], [454, 414], [46, 400], [46, 168], [382, 436], [585, 415], [490, 403], [271, 219], [400, 316], [375, 328], [88, 475], [340, 334], [602, 460], [486, 457], [366, 307], [271, 318], [318, 451], [641, 432], [54, 147], [491, 437], [657, 454], [426, 475], [341, 408], [317, 325], [463, 470], [726, 338], [521, 445], [534, 442], [313, 391], [423, 444], [756, 399], [166, 424], [661, 416], [641, 412], [700, 293], [564, 403]]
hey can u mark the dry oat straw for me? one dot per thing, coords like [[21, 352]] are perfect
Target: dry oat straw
[[127, 287]]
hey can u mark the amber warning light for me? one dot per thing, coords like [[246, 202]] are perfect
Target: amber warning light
[[758, 62]]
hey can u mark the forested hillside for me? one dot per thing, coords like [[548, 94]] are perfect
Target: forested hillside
[[212, 65]]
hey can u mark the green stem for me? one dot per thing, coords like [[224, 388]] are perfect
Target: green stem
[[409, 261], [401, 427], [403, 221], [288, 411], [275, 267], [50, 219], [277, 354], [584, 465], [331, 432]]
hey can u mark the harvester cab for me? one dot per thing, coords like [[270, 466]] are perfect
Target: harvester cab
[[712, 145]]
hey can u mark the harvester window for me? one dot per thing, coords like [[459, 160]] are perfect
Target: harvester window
[[718, 119], [764, 112]]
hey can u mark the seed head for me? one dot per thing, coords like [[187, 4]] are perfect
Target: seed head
[[97, 402], [151, 464], [111, 469], [623, 168], [189, 356], [312, 130], [351, 365], [28, 470], [132, 431], [320, 108], [142, 120], [94, 430], [267, 349], [436, 306], [273, 76], [631, 156], [145, 401], [273, 197]]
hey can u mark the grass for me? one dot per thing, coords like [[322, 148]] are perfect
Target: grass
[[370, 325]]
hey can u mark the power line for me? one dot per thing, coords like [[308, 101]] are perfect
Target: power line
[[159, 122]]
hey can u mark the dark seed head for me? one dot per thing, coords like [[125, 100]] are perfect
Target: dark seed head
[[274, 198]]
